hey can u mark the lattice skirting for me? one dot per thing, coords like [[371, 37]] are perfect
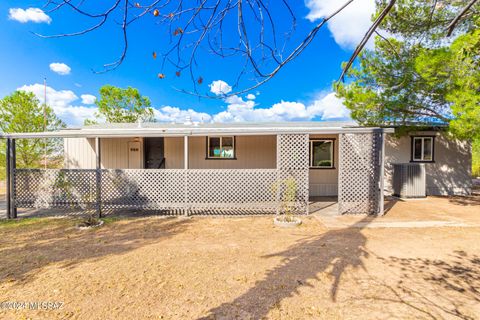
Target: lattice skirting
[[359, 173], [196, 190], [293, 162], [38, 188], [184, 189]]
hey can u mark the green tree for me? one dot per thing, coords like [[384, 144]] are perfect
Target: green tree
[[117, 105], [22, 112], [421, 78], [424, 77]]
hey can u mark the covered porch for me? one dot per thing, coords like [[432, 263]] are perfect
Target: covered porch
[[187, 177]]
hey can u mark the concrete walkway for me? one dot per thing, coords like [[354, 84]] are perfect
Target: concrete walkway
[[404, 218]]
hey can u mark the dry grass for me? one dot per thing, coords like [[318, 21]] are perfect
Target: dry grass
[[238, 268]]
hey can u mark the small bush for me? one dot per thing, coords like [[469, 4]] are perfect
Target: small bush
[[476, 158]]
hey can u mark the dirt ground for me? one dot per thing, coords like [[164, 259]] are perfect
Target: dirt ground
[[245, 268]]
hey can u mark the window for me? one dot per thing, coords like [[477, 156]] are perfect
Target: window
[[220, 147], [321, 153], [422, 149]]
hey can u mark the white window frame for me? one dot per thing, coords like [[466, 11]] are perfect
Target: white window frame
[[332, 155], [422, 158], [221, 147]]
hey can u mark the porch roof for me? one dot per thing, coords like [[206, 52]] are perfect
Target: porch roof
[[158, 129]]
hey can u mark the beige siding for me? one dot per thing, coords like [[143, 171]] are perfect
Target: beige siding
[[115, 153], [251, 152], [80, 153], [324, 182], [173, 153], [449, 174]]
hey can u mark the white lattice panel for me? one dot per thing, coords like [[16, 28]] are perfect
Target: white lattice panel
[[36, 188], [192, 189], [231, 188], [293, 161], [143, 188], [359, 173], [292, 151]]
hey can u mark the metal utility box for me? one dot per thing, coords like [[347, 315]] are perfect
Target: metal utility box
[[409, 180]]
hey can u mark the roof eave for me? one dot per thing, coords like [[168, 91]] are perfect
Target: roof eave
[[171, 132]]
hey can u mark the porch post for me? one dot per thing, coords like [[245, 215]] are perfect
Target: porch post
[[98, 176], [185, 166], [7, 182], [339, 177], [381, 205], [13, 166], [277, 195]]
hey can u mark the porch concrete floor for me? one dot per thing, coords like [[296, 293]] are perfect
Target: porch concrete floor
[[316, 205]]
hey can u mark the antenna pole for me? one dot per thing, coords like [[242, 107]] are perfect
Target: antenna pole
[[45, 118]]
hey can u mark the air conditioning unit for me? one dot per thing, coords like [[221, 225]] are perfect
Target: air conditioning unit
[[409, 180]]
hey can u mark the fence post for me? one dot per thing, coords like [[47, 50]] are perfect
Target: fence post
[[340, 174], [185, 165], [13, 166], [277, 182], [98, 176], [381, 207], [7, 182]]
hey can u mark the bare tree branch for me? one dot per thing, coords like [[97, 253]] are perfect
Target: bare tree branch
[[455, 21], [366, 37]]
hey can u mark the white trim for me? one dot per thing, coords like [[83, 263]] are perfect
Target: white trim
[[332, 156], [221, 147], [193, 131], [422, 151]]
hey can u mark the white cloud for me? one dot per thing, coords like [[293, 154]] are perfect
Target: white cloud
[[350, 25], [60, 68], [174, 114], [61, 103], [88, 98], [220, 87], [329, 107], [251, 96], [31, 14], [325, 107]]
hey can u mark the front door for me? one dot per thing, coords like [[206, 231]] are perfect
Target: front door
[[134, 155], [154, 153]]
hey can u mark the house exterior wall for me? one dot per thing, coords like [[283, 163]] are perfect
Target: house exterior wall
[[80, 153], [450, 174], [324, 182], [251, 152]]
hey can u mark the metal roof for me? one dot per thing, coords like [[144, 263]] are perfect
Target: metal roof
[[158, 129]]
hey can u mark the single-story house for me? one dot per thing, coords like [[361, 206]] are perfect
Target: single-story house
[[232, 167]]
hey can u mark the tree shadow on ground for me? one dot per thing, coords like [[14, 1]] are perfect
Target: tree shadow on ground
[[390, 202], [332, 252], [47, 241], [473, 200], [435, 288]]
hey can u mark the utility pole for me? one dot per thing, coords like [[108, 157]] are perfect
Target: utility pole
[[45, 118]]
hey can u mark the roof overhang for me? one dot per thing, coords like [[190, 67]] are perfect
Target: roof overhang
[[191, 131]]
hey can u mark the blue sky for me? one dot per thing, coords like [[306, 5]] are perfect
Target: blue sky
[[301, 91]]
